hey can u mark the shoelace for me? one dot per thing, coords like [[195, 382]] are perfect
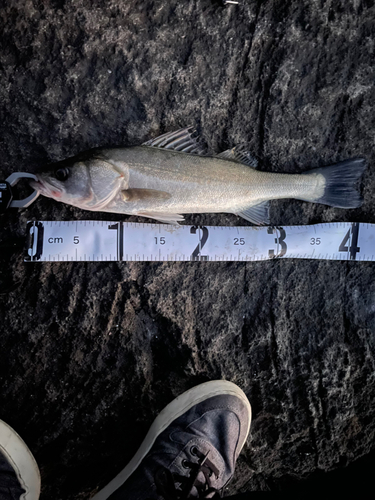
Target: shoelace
[[166, 482]]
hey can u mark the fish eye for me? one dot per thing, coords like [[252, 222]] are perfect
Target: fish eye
[[62, 174]]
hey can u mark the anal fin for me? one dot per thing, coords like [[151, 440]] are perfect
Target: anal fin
[[257, 214]]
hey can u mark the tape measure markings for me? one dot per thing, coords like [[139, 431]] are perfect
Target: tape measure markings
[[128, 241]]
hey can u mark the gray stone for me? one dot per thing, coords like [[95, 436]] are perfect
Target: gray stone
[[91, 352]]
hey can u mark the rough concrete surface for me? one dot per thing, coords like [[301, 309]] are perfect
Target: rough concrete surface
[[90, 352]]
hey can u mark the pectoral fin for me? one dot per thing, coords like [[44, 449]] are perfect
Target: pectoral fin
[[144, 194], [163, 217], [257, 214]]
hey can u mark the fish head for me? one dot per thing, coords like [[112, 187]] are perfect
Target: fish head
[[88, 184]]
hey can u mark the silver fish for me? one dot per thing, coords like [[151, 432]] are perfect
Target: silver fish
[[170, 175]]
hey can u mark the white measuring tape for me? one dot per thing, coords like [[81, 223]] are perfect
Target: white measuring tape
[[127, 241]]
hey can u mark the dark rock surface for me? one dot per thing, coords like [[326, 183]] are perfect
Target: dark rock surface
[[91, 352]]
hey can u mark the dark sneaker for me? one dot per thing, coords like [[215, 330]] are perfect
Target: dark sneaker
[[191, 448], [19, 473]]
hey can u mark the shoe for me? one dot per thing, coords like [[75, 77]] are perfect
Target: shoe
[[191, 448], [19, 473]]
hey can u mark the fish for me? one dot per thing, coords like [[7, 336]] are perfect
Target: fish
[[172, 175]]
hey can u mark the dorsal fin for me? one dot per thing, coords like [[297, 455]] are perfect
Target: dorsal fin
[[185, 140], [239, 154]]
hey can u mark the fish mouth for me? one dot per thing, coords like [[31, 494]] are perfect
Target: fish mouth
[[46, 190]]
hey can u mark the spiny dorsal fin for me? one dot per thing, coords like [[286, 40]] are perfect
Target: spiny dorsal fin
[[257, 214], [185, 140], [239, 154]]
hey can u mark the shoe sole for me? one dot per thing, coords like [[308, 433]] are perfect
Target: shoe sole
[[173, 410], [20, 457]]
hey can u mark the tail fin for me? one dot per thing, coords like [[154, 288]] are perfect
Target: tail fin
[[341, 181]]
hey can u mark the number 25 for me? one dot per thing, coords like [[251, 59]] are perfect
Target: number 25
[[239, 241]]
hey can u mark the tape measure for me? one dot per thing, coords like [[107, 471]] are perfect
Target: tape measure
[[61, 241]]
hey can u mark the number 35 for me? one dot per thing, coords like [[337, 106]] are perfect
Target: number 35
[[315, 241]]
